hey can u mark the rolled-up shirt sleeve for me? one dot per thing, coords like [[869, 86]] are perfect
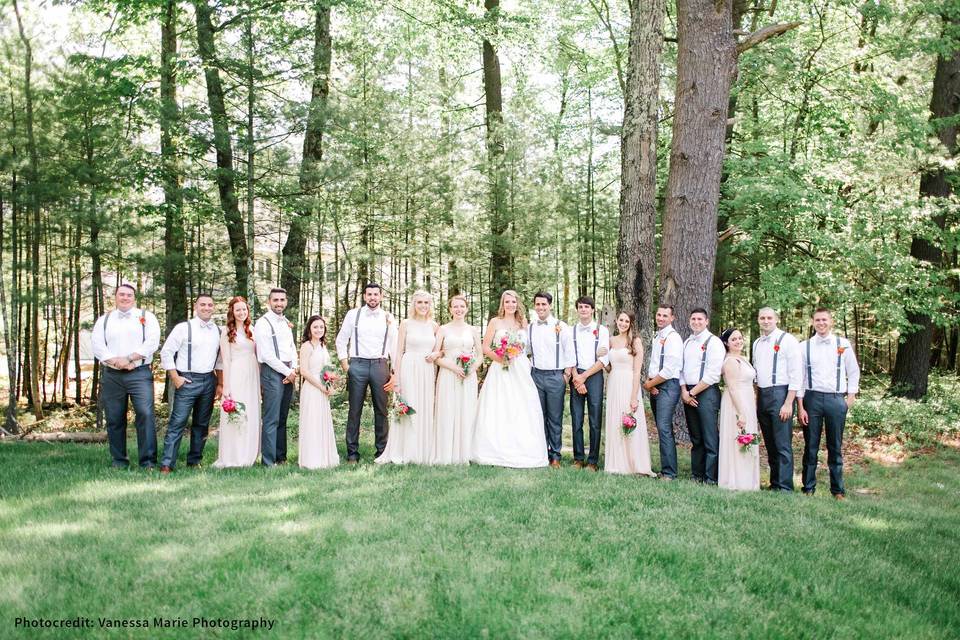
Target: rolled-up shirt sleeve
[[852, 370], [343, 336], [794, 365], [566, 346], [168, 353], [604, 344], [100, 350], [151, 340], [263, 337]]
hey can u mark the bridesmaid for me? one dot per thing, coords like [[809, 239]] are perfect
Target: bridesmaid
[[410, 438], [456, 391], [738, 469], [239, 439], [318, 446], [626, 454]]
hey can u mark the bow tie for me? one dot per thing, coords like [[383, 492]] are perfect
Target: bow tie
[[541, 322], [823, 340], [583, 328], [125, 314]]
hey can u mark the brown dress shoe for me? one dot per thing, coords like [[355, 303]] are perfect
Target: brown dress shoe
[[578, 464], [555, 464], [839, 496], [352, 461], [165, 469], [591, 467]]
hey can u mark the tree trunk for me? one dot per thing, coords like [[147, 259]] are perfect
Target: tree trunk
[[500, 254], [638, 161], [35, 230], [226, 177], [174, 237], [706, 61], [912, 368], [294, 249]]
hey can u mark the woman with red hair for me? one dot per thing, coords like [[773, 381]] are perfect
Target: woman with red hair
[[239, 440]]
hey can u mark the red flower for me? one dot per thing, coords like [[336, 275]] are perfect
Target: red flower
[[143, 319], [776, 347], [596, 332], [840, 350], [704, 347]]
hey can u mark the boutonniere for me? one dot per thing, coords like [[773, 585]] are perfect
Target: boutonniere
[[143, 319], [556, 328], [840, 350], [776, 347], [596, 332], [663, 341]]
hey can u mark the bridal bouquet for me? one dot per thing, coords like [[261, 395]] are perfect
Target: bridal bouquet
[[628, 422], [510, 347], [747, 440], [235, 410], [401, 407], [329, 376], [466, 361]]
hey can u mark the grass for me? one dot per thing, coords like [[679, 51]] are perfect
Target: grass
[[474, 552]]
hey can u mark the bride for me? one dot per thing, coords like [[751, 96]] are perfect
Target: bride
[[509, 427]]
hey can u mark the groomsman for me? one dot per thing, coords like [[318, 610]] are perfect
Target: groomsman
[[191, 357], [831, 381], [124, 341], [703, 355], [663, 384], [591, 343], [367, 339], [776, 358], [551, 357], [273, 336]]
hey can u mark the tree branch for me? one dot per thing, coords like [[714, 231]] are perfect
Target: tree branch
[[764, 34]]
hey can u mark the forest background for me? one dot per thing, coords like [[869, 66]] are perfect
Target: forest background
[[721, 153]]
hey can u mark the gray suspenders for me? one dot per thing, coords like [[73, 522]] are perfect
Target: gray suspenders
[[810, 366], [533, 357], [190, 343], [663, 348], [143, 326], [356, 336], [703, 358], [776, 353], [273, 336], [576, 352]]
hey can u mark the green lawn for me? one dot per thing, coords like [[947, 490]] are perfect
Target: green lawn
[[474, 552]]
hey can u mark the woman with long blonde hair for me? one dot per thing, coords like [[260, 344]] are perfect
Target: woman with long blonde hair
[[410, 438], [509, 427]]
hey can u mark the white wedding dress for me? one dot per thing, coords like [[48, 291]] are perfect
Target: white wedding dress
[[509, 427]]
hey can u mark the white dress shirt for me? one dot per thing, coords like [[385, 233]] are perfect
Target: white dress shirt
[[668, 344], [126, 332], [201, 355], [275, 354], [550, 344], [789, 371], [693, 359], [822, 366], [375, 336], [586, 344]]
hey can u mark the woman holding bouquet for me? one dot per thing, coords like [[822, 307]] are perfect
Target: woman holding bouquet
[[509, 427], [410, 438], [238, 442], [456, 386], [318, 446], [739, 457], [627, 445]]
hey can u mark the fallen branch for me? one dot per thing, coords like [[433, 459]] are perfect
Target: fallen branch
[[66, 436]]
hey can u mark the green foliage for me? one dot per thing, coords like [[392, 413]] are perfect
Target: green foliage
[[912, 424]]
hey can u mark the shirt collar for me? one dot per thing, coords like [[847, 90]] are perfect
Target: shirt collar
[[581, 327], [772, 336], [368, 312], [824, 340], [204, 325], [665, 331], [126, 314], [279, 317], [703, 335], [550, 320]]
